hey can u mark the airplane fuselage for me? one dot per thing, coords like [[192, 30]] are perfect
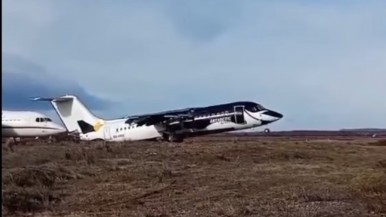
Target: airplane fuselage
[[202, 121], [28, 124]]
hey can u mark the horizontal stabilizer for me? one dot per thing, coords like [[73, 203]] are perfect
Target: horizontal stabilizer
[[59, 99], [41, 99]]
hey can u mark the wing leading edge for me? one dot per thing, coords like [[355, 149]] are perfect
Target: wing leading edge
[[165, 119]]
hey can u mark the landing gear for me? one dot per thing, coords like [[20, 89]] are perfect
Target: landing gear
[[171, 137], [10, 142], [267, 130]]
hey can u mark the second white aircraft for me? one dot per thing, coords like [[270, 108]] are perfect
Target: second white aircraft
[[28, 124]]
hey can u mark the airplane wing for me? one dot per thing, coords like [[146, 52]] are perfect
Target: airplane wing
[[164, 119]]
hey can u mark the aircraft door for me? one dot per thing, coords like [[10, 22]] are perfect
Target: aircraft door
[[107, 133], [42, 122], [239, 115]]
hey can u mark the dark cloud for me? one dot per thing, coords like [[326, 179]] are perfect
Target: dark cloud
[[23, 79]]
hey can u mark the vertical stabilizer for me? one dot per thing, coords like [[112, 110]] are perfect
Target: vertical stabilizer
[[74, 114]]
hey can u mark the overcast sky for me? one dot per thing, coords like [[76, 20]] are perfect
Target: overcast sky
[[320, 63]]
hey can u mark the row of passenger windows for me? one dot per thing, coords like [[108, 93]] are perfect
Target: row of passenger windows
[[43, 120], [213, 114], [37, 120], [10, 120], [125, 128]]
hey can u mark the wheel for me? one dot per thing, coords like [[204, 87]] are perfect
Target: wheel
[[266, 130], [171, 137], [178, 139]]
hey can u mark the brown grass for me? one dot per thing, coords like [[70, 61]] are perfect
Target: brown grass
[[201, 177], [378, 143]]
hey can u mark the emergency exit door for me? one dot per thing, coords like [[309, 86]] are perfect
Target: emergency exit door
[[239, 115], [107, 133]]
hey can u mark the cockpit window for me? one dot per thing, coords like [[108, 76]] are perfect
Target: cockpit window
[[43, 120], [255, 108], [259, 107]]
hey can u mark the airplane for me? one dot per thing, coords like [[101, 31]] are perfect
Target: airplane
[[171, 126], [28, 124]]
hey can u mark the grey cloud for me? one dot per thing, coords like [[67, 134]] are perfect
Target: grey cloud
[[203, 21], [23, 80]]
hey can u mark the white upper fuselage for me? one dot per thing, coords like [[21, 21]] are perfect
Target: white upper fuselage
[[28, 124]]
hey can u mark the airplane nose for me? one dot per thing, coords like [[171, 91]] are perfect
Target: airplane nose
[[60, 129], [274, 114]]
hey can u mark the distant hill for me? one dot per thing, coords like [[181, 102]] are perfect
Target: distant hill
[[364, 130]]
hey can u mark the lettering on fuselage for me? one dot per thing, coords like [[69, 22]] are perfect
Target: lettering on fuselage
[[221, 120], [118, 136]]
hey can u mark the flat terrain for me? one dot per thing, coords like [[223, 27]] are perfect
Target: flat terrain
[[208, 176]]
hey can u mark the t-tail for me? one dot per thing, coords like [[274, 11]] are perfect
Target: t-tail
[[74, 114]]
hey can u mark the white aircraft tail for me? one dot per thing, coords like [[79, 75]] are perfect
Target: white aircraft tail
[[74, 114]]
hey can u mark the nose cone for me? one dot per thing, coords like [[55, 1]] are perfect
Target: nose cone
[[59, 129], [62, 130], [271, 116]]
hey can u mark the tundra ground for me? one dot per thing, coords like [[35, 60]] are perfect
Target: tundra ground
[[207, 176]]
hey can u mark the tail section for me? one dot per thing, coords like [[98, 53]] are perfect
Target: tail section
[[85, 127], [74, 114]]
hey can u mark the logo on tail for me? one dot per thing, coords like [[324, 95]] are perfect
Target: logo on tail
[[87, 128], [99, 124]]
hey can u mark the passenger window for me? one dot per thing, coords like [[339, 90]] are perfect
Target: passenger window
[[37, 119]]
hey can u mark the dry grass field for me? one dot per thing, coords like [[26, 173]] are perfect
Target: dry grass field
[[208, 176]]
